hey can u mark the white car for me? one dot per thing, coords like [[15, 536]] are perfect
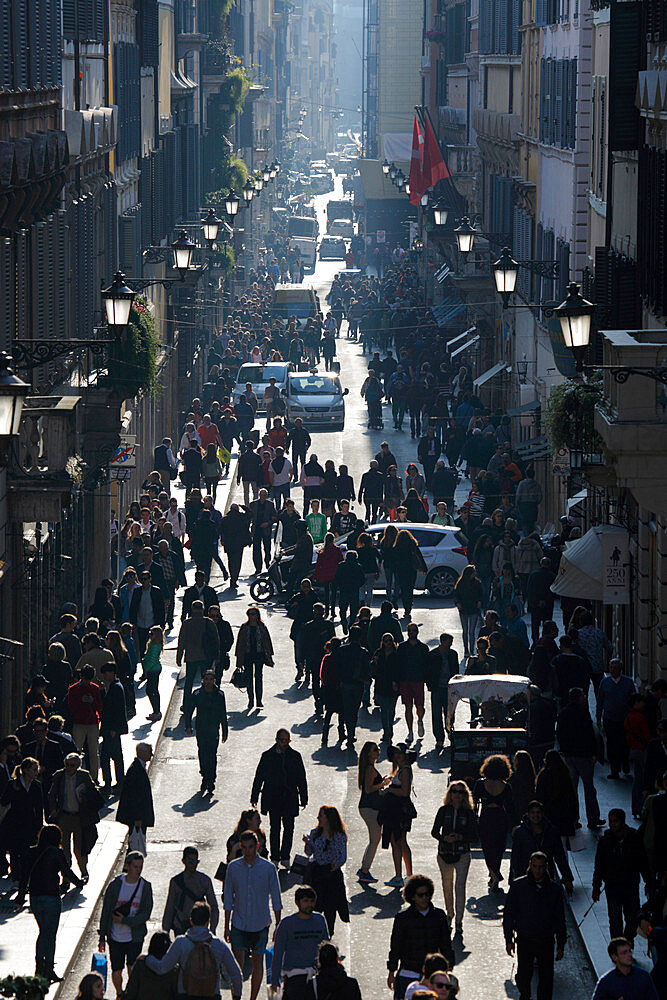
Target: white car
[[259, 375], [341, 227], [317, 398], [444, 552]]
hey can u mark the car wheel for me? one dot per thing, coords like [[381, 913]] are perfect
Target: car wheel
[[441, 582], [262, 589]]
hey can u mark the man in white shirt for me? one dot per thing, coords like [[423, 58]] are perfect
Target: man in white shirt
[[176, 518]]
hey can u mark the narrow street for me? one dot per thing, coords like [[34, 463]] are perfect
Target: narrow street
[[183, 817]]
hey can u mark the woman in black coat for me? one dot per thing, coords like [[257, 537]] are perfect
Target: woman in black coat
[[23, 821], [409, 562]]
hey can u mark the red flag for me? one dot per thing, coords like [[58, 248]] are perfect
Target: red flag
[[434, 167], [418, 183]]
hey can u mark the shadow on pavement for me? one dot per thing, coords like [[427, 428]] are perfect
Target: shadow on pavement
[[386, 905], [336, 757], [195, 804], [486, 907]]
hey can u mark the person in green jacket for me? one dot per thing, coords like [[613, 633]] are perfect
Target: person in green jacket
[[152, 667], [317, 522]]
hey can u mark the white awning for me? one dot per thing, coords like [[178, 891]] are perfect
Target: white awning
[[502, 366], [580, 573], [464, 347], [576, 499], [453, 341]]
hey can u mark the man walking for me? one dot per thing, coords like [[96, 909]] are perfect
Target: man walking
[[113, 725], [185, 889], [533, 917], [620, 862], [280, 779], [371, 490], [127, 907], [262, 518], [164, 462], [198, 642], [613, 702], [146, 609], [539, 597], [73, 804], [299, 441], [413, 670], [353, 668], [296, 944], [443, 665], [578, 744], [208, 702], [135, 806], [251, 884], [249, 471], [85, 704], [626, 981]]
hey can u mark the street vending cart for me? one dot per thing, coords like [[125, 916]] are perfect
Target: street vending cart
[[497, 723]]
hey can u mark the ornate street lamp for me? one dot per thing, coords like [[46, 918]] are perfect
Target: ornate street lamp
[[465, 235], [232, 203], [259, 181], [505, 272], [575, 315], [248, 191], [424, 200], [393, 170], [182, 248], [118, 299], [400, 180], [406, 187], [266, 173], [440, 214], [385, 166], [210, 226], [13, 393], [522, 370]]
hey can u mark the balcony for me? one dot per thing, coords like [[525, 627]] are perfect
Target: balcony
[[632, 420], [462, 160], [496, 126]]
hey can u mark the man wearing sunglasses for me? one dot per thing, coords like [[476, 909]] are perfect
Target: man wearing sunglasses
[[418, 930]]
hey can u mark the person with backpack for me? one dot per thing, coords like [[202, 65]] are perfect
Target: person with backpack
[[185, 889], [201, 958]]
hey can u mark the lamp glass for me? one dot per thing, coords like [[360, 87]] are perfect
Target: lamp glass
[[182, 248], [575, 315], [13, 392], [424, 200], [259, 182], [465, 236], [118, 299], [385, 166], [393, 170], [266, 174], [210, 226], [505, 272], [439, 214], [232, 204]]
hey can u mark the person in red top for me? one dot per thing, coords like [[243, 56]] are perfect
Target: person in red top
[[638, 736], [278, 434], [85, 706], [208, 433], [328, 560], [509, 475]]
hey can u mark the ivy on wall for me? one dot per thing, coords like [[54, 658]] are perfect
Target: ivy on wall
[[570, 418], [133, 364]]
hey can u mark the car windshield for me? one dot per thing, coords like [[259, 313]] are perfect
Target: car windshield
[[260, 373], [311, 385], [299, 226]]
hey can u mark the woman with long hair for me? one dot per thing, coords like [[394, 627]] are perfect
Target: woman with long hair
[[392, 490], [554, 789], [493, 799], [408, 562], [386, 674], [211, 470], [327, 845], [253, 649], [522, 782], [370, 783], [40, 877], [397, 812], [102, 609], [468, 596], [414, 480], [330, 690], [455, 828], [328, 559], [388, 560], [20, 826], [91, 987], [250, 819], [368, 558], [124, 670], [414, 505]]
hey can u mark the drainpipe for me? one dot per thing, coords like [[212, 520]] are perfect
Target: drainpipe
[[642, 583]]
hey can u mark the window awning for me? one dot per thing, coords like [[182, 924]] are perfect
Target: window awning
[[464, 347], [447, 310], [576, 499], [502, 366], [537, 447], [534, 404], [460, 337]]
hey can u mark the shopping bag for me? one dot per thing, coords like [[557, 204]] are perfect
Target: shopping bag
[[137, 841], [99, 964], [240, 677], [224, 455]]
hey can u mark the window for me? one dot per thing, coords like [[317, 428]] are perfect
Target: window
[[558, 102]]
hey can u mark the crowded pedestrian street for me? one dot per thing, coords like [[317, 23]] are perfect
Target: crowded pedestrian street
[[333, 528]]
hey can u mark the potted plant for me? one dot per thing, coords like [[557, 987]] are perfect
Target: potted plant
[[570, 418]]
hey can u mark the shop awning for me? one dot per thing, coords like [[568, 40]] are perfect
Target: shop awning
[[574, 501], [464, 347], [534, 404], [537, 447], [584, 567], [447, 310], [502, 366], [460, 337]]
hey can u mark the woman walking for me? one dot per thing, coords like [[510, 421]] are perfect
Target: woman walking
[[327, 845], [408, 562], [554, 789], [455, 828], [397, 812], [211, 470], [370, 783], [522, 783], [253, 649], [328, 559], [369, 562], [19, 828], [468, 596], [152, 667], [42, 869], [330, 691], [386, 675], [493, 798], [124, 669], [482, 558], [388, 560]]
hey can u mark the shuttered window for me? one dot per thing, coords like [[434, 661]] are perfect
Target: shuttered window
[[85, 18], [558, 102], [624, 64]]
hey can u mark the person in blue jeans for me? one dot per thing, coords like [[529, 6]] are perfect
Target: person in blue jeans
[[45, 863]]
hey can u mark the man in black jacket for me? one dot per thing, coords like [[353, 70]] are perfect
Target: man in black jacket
[[302, 563], [113, 725], [146, 609], [200, 591], [135, 806], [208, 701], [263, 516], [225, 638], [353, 668], [533, 917], [47, 752], [280, 779], [428, 453], [539, 597], [577, 742], [417, 931], [314, 634], [443, 664], [371, 490], [299, 441], [413, 670], [249, 471], [235, 531], [535, 832], [620, 861]]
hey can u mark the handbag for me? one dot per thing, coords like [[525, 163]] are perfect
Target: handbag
[[137, 841], [173, 472], [301, 866], [124, 908], [240, 677], [221, 871]]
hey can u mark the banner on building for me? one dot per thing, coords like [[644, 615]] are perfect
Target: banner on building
[[615, 567]]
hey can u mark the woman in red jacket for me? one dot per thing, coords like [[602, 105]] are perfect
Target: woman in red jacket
[[325, 570], [637, 735]]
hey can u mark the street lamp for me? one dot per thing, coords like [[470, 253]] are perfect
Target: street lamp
[[440, 213], [393, 170], [399, 180], [522, 370], [118, 299], [276, 163], [465, 235], [248, 191], [406, 187], [266, 173], [272, 170], [575, 315], [505, 272], [232, 203], [210, 226], [182, 248], [424, 200], [13, 393], [259, 181], [385, 166]]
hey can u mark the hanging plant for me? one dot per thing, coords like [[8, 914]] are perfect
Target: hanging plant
[[570, 417], [234, 90], [133, 364]]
